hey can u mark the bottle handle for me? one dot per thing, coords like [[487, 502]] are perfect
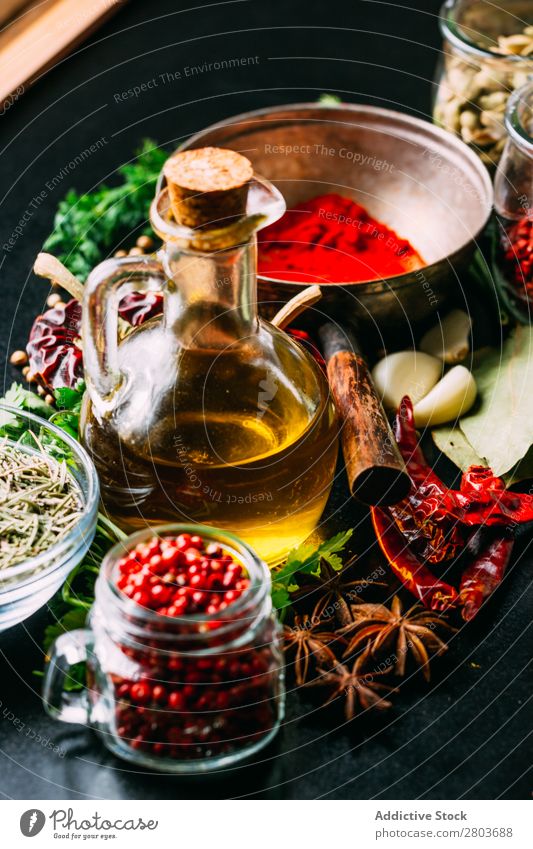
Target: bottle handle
[[105, 286], [66, 650]]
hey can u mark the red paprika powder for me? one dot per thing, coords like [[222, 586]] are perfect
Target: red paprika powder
[[332, 239]]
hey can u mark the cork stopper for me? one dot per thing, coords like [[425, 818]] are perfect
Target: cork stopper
[[208, 187]]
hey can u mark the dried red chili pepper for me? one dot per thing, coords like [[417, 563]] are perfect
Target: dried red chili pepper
[[434, 540], [417, 578], [138, 307], [481, 500], [489, 503], [424, 517], [437, 522], [406, 436], [480, 479], [484, 574], [518, 258], [54, 352]]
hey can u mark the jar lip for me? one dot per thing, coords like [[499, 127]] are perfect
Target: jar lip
[[452, 32], [258, 572], [514, 123]]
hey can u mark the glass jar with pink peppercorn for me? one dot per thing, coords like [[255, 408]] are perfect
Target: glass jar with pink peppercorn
[[182, 650]]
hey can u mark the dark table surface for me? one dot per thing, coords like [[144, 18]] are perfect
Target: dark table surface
[[469, 733]]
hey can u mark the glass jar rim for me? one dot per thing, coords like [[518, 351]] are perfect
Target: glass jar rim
[[141, 619], [452, 32], [514, 123]]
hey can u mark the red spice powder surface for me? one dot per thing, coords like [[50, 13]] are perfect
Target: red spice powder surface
[[332, 239]]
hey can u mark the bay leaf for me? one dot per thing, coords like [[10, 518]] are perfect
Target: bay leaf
[[451, 440], [523, 471], [500, 428]]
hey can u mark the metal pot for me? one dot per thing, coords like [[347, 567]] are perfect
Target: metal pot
[[418, 179]]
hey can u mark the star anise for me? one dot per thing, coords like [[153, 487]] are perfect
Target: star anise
[[308, 640], [401, 634], [336, 592], [361, 688]]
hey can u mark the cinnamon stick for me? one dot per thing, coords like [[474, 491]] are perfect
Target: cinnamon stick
[[376, 471]]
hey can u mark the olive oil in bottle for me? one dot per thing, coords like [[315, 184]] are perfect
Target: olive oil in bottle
[[207, 413]]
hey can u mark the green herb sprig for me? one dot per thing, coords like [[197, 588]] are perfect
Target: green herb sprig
[[306, 560], [66, 417], [69, 609], [22, 399], [68, 402], [87, 226]]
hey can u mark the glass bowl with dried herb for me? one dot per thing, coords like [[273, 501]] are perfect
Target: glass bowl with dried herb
[[48, 509]]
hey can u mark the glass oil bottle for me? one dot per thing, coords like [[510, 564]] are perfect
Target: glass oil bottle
[[207, 413]]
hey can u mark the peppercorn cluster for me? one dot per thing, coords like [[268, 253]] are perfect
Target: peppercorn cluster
[[175, 576]]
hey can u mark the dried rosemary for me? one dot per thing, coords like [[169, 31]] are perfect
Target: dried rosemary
[[39, 502]]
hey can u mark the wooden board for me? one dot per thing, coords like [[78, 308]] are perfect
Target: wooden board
[[43, 32]]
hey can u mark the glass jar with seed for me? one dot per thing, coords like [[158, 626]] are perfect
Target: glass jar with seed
[[487, 54], [179, 691]]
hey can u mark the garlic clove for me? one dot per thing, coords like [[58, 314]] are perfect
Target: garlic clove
[[449, 340], [410, 373], [449, 399]]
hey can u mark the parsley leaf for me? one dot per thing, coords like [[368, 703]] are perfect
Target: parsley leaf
[[23, 399], [69, 403], [70, 607], [14, 427], [329, 100], [306, 560], [70, 399], [88, 226], [24, 433]]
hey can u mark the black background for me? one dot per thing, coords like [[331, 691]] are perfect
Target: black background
[[468, 734]]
